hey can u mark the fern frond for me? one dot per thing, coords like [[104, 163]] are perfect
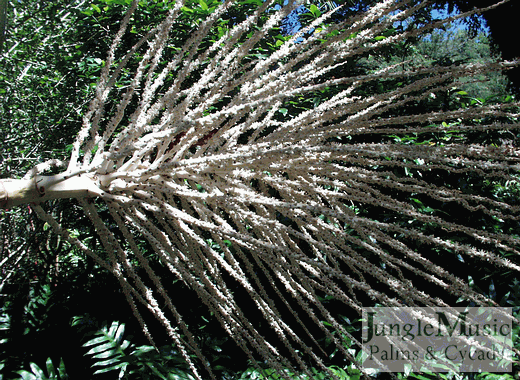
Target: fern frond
[[109, 348]]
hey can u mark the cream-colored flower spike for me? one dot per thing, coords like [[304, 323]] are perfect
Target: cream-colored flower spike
[[197, 151]]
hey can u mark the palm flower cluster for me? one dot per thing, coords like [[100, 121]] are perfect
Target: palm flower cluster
[[208, 159]]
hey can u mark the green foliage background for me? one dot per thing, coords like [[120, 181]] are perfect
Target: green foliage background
[[61, 316]]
